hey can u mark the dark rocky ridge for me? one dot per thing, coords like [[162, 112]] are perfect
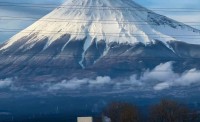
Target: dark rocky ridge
[[120, 59]]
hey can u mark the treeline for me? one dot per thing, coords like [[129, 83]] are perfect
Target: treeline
[[165, 111]]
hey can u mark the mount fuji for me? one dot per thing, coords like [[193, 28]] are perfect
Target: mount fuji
[[89, 38]]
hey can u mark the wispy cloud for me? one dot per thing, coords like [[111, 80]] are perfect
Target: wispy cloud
[[77, 83], [5, 83]]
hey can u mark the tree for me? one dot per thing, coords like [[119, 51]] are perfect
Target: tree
[[122, 112], [171, 111]]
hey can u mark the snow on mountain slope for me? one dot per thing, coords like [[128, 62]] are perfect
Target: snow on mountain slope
[[121, 21]]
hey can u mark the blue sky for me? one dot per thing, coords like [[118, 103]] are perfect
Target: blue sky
[[39, 12]]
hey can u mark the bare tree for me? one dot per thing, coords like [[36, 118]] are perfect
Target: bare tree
[[122, 112], [171, 111]]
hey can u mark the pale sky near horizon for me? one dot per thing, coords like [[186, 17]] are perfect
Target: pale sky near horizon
[[15, 11]]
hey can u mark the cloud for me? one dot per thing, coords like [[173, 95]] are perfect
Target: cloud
[[77, 83], [160, 78], [186, 79], [168, 78], [71, 84], [98, 82], [159, 73], [9, 83], [5, 83], [131, 81], [163, 77], [162, 86]]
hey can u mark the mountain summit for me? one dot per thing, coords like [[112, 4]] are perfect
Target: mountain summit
[[98, 37]]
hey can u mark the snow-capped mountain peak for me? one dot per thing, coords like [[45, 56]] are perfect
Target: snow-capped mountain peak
[[121, 21], [87, 38]]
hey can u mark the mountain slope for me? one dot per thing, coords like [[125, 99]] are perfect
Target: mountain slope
[[98, 37]]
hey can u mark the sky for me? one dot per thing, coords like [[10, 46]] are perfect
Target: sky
[[6, 9]]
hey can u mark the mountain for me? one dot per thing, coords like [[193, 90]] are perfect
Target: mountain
[[88, 38]]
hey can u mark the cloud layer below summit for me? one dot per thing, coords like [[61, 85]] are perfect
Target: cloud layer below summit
[[160, 78]]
